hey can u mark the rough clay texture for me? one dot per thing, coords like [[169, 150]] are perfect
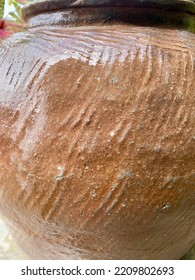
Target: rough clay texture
[[97, 142]]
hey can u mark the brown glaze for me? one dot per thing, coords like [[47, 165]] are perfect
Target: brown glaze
[[184, 6], [97, 140]]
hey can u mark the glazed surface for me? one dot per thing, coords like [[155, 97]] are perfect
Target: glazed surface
[[97, 142], [41, 6]]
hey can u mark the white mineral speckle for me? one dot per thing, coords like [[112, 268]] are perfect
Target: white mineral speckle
[[112, 133], [114, 80], [124, 174], [61, 171], [167, 206]]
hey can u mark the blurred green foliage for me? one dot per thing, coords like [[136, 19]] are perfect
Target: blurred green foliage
[[13, 21], [2, 5]]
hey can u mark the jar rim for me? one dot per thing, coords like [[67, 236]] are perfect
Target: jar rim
[[42, 6]]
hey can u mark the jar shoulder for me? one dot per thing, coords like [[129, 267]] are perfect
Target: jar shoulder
[[27, 56]]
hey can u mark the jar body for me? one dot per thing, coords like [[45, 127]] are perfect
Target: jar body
[[97, 141]]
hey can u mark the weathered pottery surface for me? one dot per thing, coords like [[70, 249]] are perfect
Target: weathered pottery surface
[[10, 251], [97, 131]]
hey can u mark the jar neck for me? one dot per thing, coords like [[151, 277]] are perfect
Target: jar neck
[[180, 17]]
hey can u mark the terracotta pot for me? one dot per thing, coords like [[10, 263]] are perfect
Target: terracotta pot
[[97, 130]]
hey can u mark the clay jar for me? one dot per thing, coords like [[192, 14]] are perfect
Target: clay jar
[[97, 130]]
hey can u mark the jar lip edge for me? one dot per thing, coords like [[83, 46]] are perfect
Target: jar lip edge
[[41, 6]]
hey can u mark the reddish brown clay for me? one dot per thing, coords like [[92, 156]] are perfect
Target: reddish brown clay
[[97, 130]]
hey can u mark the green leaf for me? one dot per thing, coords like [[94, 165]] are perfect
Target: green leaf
[[2, 6], [17, 7], [15, 16]]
